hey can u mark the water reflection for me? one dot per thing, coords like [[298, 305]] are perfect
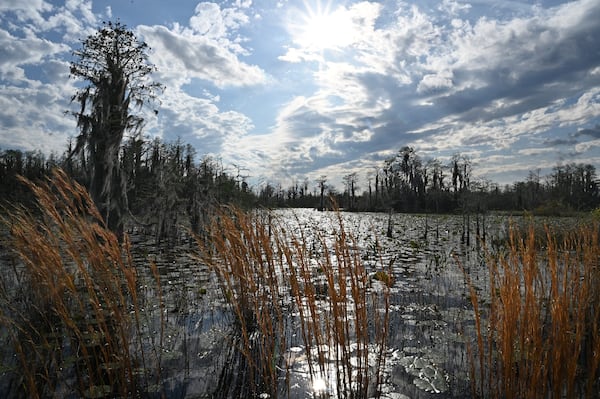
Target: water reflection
[[425, 353]]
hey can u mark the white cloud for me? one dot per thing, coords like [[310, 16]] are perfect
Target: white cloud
[[26, 11], [587, 145], [433, 82], [208, 49], [182, 56], [440, 78], [453, 7], [33, 118], [198, 121], [75, 19], [218, 24], [16, 52], [535, 151]]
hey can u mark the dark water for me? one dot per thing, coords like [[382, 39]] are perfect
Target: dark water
[[431, 318]]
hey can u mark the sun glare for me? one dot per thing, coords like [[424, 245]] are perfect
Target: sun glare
[[320, 27], [319, 385]]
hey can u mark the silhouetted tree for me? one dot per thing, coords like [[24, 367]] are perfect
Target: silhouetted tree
[[115, 68], [350, 182], [321, 181]]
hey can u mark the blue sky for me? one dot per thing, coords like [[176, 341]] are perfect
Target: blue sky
[[293, 90]]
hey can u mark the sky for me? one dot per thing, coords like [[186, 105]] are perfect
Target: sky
[[292, 90]]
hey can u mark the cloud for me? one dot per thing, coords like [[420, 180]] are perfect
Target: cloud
[[34, 85], [198, 121], [587, 146], [26, 11], [16, 52], [218, 24], [73, 20], [182, 56], [208, 49], [205, 52], [452, 7], [361, 97], [475, 84], [441, 79], [593, 132], [33, 118], [529, 62]]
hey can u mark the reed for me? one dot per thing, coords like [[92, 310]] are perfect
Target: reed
[[538, 338], [265, 270], [69, 306], [239, 251]]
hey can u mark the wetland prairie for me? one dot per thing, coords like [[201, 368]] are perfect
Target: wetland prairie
[[293, 303]]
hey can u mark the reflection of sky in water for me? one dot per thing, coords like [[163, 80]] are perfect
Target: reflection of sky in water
[[428, 316]]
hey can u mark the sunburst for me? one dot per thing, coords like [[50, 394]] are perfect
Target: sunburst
[[320, 26]]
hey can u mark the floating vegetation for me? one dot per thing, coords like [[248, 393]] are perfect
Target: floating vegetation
[[429, 377], [384, 278], [288, 303]]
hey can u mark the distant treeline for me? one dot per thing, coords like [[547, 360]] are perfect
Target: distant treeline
[[406, 183], [166, 185]]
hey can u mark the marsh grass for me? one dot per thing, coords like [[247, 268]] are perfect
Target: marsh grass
[[246, 267], [69, 306], [539, 335], [268, 273]]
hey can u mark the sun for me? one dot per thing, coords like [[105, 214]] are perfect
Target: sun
[[320, 27]]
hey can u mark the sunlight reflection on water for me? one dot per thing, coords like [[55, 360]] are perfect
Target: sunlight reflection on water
[[319, 385]]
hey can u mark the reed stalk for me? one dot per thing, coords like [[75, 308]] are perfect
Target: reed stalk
[[540, 338], [265, 270], [69, 317]]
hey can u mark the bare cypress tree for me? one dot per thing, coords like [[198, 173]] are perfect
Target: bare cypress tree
[[115, 68]]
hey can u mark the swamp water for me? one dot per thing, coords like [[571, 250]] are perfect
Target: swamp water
[[430, 316]]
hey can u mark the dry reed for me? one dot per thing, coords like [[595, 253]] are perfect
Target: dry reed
[[542, 336], [266, 270], [70, 305], [246, 267]]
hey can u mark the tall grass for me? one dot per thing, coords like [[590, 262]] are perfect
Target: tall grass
[[539, 335], [246, 265], [268, 272], [69, 306]]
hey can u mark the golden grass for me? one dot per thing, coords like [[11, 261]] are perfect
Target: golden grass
[[70, 304], [541, 335], [265, 271], [246, 267]]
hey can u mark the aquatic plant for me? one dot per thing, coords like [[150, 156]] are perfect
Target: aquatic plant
[[265, 270], [540, 335], [384, 278], [69, 305], [240, 252]]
